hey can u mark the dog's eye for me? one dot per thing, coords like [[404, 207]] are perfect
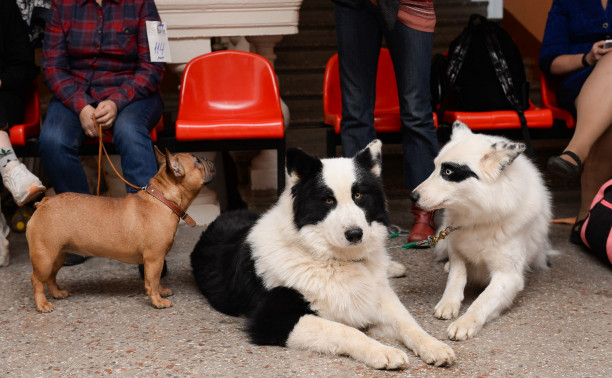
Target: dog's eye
[[357, 196], [330, 201], [448, 172]]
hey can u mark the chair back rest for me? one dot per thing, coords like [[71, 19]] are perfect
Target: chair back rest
[[386, 88], [228, 82], [548, 91]]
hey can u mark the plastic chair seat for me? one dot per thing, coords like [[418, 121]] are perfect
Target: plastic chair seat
[[229, 95], [501, 119]]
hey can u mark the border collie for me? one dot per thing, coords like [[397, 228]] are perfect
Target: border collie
[[311, 273]]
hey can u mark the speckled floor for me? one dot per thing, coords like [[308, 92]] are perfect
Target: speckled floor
[[559, 326]]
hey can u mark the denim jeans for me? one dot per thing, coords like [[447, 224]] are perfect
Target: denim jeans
[[359, 34], [62, 135]]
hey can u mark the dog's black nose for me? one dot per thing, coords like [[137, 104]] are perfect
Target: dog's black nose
[[414, 196], [353, 235]]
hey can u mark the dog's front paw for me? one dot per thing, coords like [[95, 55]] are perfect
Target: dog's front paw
[[396, 269], [446, 309], [435, 352], [165, 292], [162, 303], [45, 306], [464, 328], [385, 357]]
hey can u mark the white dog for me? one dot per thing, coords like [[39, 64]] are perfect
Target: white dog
[[496, 203], [311, 273]]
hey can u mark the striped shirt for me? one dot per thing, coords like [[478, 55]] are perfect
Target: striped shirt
[[417, 14], [93, 53]]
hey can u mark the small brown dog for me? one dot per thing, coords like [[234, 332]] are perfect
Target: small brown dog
[[137, 228]]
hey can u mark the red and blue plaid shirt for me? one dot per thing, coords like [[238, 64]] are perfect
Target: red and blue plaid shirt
[[93, 53]]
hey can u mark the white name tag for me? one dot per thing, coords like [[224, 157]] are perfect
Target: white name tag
[[159, 48]]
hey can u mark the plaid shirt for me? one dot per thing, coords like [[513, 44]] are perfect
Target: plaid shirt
[[93, 53]]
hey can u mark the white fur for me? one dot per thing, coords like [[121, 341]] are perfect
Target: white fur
[[503, 219], [346, 285]]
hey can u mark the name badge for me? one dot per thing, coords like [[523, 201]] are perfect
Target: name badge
[[159, 48]]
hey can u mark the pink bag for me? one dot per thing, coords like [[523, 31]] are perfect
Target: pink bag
[[596, 232]]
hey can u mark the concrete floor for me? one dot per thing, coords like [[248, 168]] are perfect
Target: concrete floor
[[559, 326]]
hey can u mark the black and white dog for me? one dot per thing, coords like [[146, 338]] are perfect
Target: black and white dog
[[311, 273]]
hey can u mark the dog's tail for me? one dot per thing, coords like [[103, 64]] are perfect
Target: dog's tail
[[41, 202]]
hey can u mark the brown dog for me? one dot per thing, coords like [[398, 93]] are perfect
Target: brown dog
[[137, 228]]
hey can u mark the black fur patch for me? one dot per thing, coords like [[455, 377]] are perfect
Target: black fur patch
[[276, 315], [368, 194], [456, 172], [222, 265]]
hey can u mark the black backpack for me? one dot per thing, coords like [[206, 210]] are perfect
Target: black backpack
[[483, 71]]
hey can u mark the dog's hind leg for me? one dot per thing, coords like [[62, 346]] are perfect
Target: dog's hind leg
[[325, 336], [498, 296], [54, 289], [42, 270]]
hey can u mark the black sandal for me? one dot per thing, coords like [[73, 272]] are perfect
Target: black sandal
[[575, 237], [564, 168]]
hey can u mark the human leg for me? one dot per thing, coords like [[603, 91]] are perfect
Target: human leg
[[59, 142], [131, 137], [411, 54], [594, 116], [359, 35]]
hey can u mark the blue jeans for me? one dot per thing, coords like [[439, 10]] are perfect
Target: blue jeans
[[62, 135], [359, 34]]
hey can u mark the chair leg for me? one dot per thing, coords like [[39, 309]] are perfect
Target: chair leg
[[280, 162], [234, 201]]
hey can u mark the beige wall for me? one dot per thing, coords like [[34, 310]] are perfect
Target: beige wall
[[530, 13]]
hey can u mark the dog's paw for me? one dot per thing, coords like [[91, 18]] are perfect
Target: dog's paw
[[464, 328], [45, 306], [59, 294], [435, 352], [446, 309], [395, 270], [162, 303], [386, 357], [165, 292]]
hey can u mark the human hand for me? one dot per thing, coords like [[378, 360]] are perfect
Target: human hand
[[597, 51], [87, 123], [106, 113]]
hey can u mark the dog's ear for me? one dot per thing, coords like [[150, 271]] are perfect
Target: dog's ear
[[159, 156], [500, 155], [174, 166], [301, 166], [460, 130], [371, 157]]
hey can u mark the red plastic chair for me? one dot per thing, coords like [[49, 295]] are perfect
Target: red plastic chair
[[537, 118], [548, 92], [232, 98], [19, 134], [386, 109]]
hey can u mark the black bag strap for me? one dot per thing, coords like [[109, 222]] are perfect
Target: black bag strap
[[502, 71]]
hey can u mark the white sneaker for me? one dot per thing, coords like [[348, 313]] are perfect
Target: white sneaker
[[23, 184]]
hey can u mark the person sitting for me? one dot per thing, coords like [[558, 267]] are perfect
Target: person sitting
[[96, 62], [574, 51]]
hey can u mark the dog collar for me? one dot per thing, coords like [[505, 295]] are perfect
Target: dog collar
[[173, 206]]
